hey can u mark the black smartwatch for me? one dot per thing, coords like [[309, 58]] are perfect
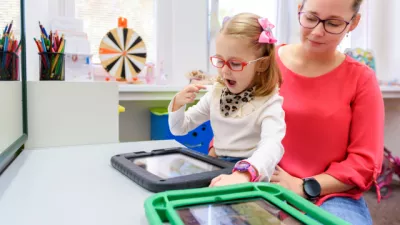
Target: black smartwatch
[[311, 188]]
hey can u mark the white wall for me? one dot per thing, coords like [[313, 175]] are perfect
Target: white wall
[[393, 33], [378, 41], [10, 113], [383, 21]]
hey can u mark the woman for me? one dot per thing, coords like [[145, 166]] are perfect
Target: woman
[[333, 111]]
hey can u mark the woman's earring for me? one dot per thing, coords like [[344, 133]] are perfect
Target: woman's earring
[[347, 35]]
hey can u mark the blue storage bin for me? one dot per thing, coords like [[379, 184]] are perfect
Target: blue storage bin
[[197, 139]]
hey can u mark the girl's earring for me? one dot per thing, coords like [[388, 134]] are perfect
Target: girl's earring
[[347, 35]]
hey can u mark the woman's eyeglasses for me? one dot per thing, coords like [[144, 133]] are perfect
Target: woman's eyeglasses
[[332, 26], [233, 64]]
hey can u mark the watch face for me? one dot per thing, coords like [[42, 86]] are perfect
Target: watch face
[[242, 166], [312, 188]]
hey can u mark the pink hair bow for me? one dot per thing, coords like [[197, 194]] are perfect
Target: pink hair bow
[[266, 35]]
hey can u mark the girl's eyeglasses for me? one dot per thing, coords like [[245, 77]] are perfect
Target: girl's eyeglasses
[[233, 64]]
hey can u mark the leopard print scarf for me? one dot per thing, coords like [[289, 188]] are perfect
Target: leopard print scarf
[[230, 102]]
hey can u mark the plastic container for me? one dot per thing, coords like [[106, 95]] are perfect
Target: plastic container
[[78, 67], [197, 139], [9, 66], [52, 66], [121, 109]]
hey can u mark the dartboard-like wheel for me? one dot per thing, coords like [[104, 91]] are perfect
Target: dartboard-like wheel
[[122, 53]]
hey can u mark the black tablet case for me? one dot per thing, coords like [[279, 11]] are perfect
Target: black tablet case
[[154, 183]]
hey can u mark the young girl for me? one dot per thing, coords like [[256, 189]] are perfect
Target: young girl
[[244, 106]]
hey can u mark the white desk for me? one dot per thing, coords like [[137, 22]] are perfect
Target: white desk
[[73, 185]]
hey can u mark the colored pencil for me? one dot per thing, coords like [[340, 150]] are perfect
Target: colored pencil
[[9, 48], [51, 50]]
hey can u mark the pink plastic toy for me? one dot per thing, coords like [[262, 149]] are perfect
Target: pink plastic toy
[[390, 166], [150, 76]]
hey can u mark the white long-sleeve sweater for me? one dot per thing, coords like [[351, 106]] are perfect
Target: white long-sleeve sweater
[[255, 131]]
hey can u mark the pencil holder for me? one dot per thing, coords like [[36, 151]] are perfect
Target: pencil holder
[[52, 66], [9, 65]]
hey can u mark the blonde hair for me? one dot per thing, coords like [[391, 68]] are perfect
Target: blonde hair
[[245, 26], [356, 5]]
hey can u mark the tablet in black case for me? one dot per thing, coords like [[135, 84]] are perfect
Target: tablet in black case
[[170, 169]]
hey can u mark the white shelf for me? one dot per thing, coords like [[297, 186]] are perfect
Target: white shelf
[[390, 91], [132, 92], [142, 92], [149, 88]]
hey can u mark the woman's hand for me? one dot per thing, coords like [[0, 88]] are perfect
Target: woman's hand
[[212, 152], [288, 181], [187, 95], [234, 178]]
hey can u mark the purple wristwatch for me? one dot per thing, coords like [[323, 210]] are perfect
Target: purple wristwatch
[[244, 166]]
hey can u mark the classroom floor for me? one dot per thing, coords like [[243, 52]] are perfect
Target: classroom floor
[[388, 210]]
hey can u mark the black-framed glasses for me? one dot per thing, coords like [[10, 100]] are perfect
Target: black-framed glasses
[[332, 26]]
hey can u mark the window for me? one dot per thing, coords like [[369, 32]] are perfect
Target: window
[[10, 10], [264, 8], [100, 16]]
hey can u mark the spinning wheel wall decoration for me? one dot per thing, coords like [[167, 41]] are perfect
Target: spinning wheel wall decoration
[[123, 53]]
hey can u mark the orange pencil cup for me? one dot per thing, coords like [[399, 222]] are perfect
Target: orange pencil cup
[[9, 66], [52, 66]]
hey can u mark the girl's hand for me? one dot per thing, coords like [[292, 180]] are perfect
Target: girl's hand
[[212, 152], [288, 181], [234, 178], [187, 95]]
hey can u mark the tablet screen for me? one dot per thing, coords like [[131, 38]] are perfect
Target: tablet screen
[[173, 165], [251, 212]]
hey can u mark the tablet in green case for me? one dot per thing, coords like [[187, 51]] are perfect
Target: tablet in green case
[[242, 204]]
